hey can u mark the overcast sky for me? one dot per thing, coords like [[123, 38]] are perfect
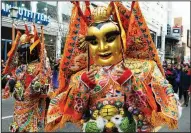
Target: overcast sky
[[182, 9]]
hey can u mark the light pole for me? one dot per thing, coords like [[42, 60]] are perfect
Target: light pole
[[13, 15]]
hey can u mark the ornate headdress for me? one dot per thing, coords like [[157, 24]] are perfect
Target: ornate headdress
[[21, 40], [136, 38]]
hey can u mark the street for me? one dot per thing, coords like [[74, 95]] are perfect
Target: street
[[7, 112]]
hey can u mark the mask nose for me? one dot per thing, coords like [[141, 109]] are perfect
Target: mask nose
[[103, 46]]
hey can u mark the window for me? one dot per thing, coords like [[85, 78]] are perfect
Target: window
[[50, 44], [65, 18], [159, 41], [22, 4], [153, 35], [188, 38], [47, 9]]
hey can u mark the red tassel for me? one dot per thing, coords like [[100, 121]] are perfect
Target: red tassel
[[26, 30], [87, 12]]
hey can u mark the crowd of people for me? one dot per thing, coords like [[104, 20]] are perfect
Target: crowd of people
[[179, 76]]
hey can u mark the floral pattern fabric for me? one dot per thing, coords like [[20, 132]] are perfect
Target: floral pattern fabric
[[30, 95], [108, 91]]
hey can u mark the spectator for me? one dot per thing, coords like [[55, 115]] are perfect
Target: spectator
[[177, 85], [171, 76], [164, 65], [185, 83]]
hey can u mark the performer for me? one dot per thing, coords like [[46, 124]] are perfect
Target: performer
[[29, 81], [117, 83]]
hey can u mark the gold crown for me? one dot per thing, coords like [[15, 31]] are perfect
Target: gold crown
[[25, 39], [100, 14]]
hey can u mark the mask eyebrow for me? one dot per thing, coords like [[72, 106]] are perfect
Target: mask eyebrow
[[112, 33], [89, 38]]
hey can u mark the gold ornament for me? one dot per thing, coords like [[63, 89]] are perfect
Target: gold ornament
[[82, 121], [100, 14], [121, 112], [110, 125], [95, 114], [18, 85], [82, 43], [108, 111], [140, 117]]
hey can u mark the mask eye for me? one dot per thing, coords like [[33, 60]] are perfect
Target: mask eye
[[111, 38], [93, 42]]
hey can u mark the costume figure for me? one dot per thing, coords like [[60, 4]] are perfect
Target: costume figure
[[29, 81], [111, 79]]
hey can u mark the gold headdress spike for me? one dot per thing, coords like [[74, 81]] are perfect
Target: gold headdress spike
[[100, 14]]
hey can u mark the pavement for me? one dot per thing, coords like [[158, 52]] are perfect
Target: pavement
[[7, 117]]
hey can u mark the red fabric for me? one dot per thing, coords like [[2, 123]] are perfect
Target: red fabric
[[9, 67], [168, 72], [125, 76], [151, 99], [26, 30], [28, 79], [189, 72], [87, 81]]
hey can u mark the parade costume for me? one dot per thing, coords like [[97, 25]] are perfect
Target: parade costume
[[29, 81], [128, 91]]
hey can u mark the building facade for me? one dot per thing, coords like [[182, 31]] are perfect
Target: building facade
[[49, 14], [171, 39], [58, 16]]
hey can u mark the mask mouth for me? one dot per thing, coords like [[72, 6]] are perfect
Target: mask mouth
[[105, 55]]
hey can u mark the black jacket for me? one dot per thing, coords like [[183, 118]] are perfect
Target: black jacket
[[185, 80]]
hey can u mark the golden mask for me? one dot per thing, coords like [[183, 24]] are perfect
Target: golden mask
[[104, 43]]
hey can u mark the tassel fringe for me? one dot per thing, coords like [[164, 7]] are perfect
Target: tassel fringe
[[159, 119], [61, 124]]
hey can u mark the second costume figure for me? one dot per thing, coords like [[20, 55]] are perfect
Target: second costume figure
[[29, 82]]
